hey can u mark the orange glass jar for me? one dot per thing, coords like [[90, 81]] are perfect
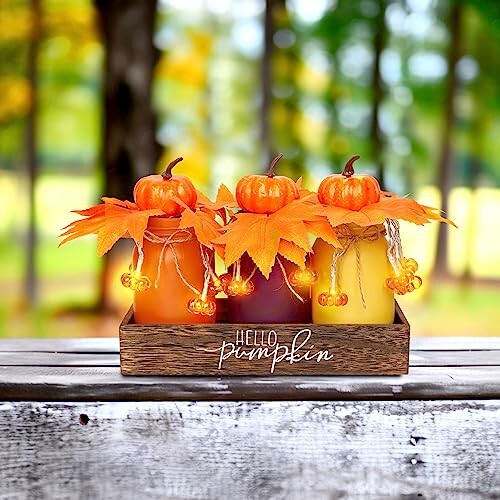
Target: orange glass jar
[[172, 258]]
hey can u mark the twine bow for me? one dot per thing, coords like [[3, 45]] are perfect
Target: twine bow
[[177, 236], [351, 235]]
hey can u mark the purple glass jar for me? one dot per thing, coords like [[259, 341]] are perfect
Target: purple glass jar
[[272, 301]]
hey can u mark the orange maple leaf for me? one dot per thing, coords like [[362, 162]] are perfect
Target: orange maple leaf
[[111, 221], [321, 228], [293, 253], [205, 227], [254, 234], [119, 203], [224, 202], [389, 207], [260, 235]]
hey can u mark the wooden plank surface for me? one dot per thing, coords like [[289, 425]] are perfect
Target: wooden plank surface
[[417, 358], [87, 345], [18, 383], [69, 370], [471, 343], [111, 344], [309, 450]]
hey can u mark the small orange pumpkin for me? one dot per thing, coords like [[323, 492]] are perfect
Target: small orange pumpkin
[[349, 190], [160, 191], [265, 194]]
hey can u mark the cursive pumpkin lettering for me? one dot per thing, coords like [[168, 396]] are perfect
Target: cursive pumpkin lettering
[[259, 346]]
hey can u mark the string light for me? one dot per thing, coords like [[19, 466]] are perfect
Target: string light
[[204, 304], [301, 278], [239, 286], [235, 284], [219, 283], [405, 281], [135, 281], [337, 299]]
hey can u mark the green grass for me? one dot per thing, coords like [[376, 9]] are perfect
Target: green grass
[[455, 309], [72, 260]]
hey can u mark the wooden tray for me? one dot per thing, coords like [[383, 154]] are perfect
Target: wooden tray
[[274, 349]]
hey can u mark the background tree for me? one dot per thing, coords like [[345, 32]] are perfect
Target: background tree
[[31, 150], [129, 146], [445, 164]]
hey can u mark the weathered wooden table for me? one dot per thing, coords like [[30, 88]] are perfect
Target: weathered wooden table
[[72, 427]]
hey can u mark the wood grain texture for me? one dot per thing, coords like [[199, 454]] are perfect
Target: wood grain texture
[[417, 358], [27, 383], [470, 343], [309, 450], [81, 345], [111, 345], [198, 350]]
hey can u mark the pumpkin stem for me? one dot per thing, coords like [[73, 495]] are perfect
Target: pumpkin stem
[[168, 171], [270, 172], [349, 168]]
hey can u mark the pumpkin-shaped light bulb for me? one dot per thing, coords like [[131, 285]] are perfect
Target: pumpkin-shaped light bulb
[[205, 306], [125, 280], [411, 265], [239, 287], [136, 281], [300, 278]]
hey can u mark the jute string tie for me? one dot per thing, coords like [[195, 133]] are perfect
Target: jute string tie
[[349, 237], [177, 236]]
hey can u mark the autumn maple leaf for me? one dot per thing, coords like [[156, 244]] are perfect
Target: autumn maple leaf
[[204, 226], [264, 236], [292, 252], [223, 205], [389, 207], [111, 221]]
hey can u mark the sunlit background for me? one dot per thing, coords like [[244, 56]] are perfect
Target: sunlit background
[[413, 86]]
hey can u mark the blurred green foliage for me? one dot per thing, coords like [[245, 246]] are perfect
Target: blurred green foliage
[[207, 95]]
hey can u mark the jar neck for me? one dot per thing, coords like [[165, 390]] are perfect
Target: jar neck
[[349, 233], [163, 226]]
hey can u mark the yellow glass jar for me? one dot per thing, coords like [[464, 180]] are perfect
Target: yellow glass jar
[[373, 269]]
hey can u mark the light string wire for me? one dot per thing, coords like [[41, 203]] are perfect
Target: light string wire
[[395, 251], [287, 282]]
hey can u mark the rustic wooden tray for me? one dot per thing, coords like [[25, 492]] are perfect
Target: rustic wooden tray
[[273, 349]]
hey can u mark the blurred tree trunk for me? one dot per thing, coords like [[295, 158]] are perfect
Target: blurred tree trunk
[[266, 83], [407, 163], [445, 166], [129, 148], [477, 134], [285, 65], [481, 91], [31, 153], [379, 38]]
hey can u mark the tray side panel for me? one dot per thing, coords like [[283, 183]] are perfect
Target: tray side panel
[[226, 349]]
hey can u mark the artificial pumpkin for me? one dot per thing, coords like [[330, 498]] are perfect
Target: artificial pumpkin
[[161, 191], [265, 194], [349, 190]]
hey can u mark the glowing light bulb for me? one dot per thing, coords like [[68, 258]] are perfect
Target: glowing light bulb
[[204, 306], [303, 277]]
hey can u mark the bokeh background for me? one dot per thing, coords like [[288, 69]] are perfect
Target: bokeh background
[[94, 95]]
